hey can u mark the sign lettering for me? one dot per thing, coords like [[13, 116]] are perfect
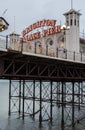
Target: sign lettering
[[52, 30]]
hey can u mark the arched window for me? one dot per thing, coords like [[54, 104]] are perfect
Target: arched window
[[49, 47], [61, 42], [38, 47], [51, 42]]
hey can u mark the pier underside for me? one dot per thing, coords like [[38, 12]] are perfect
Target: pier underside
[[44, 88]]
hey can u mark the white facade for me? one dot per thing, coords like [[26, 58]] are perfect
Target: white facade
[[66, 39]]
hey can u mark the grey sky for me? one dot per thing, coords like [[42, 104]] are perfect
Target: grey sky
[[27, 12]]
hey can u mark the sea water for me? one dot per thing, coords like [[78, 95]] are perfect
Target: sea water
[[15, 123]]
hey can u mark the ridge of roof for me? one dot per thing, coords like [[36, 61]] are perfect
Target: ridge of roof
[[71, 11]]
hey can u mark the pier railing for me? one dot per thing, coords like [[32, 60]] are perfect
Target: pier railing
[[58, 53]]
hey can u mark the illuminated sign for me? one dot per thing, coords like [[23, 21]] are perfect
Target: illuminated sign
[[3, 24], [45, 32]]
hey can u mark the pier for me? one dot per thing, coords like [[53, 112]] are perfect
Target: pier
[[46, 72], [40, 84]]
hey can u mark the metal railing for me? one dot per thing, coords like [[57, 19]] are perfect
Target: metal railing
[[69, 55], [59, 53], [3, 41], [82, 35]]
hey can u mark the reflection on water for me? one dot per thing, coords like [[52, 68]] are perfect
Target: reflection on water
[[15, 123]]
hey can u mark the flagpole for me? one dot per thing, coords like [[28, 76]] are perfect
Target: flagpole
[[71, 4], [14, 23]]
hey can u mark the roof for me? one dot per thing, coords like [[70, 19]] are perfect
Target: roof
[[72, 11], [14, 34]]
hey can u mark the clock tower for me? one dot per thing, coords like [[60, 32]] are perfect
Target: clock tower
[[72, 35]]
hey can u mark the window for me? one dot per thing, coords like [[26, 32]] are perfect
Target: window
[[30, 47], [51, 42], [78, 23], [75, 22], [40, 45], [71, 22], [67, 23], [82, 49]]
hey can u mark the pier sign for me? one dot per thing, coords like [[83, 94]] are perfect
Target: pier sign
[[3, 24], [48, 27]]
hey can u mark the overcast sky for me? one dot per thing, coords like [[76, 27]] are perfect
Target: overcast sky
[[26, 12]]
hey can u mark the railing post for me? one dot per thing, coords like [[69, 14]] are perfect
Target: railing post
[[57, 52], [46, 49], [81, 56], [74, 56], [65, 54], [21, 44], [35, 47], [6, 41]]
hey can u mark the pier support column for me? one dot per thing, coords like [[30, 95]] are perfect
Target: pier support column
[[40, 115], [64, 93], [14, 96], [62, 104], [23, 99], [58, 94], [33, 99], [73, 104], [79, 94], [51, 102], [9, 98], [19, 97]]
